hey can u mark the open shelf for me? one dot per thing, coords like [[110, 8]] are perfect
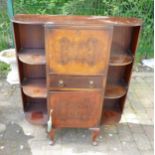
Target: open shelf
[[114, 91], [32, 56], [36, 113], [35, 88], [120, 59], [112, 110]]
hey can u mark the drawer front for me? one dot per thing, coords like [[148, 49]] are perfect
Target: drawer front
[[75, 108], [65, 81], [78, 51]]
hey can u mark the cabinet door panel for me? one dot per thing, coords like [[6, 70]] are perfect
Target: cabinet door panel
[[78, 50], [81, 109]]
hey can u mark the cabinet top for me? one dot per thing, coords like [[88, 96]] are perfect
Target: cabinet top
[[74, 20]]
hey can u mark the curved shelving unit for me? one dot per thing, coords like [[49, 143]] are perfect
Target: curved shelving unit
[[35, 88], [115, 91], [32, 56], [120, 59]]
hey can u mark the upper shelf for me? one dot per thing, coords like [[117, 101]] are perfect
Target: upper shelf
[[35, 88], [120, 59], [114, 91], [32, 56]]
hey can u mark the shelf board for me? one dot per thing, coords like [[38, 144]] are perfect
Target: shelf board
[[120, 59], [32, 56], [36, 113], [110, 117], [114, 91], [35, 88]]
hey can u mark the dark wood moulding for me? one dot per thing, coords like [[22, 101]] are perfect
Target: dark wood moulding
[[75, 20]]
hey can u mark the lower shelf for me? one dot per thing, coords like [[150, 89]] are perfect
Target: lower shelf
[[36, 113], [110, 117]]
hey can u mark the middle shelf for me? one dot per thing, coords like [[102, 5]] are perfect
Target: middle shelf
[[35, 88], [32, 56], [114, 91], [121, 59]]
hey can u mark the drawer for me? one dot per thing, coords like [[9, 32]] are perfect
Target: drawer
[[75, 108], [66, 81]]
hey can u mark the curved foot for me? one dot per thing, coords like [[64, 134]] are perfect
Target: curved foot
[[94, 143], [51, 142], [95, 134], [51, 136]]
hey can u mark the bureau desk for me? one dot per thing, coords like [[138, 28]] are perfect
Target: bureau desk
[[74, 71]]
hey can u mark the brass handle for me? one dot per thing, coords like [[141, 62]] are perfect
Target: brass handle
[[91, 83], [60, 83]]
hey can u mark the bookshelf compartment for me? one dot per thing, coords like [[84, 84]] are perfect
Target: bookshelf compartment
[[119, 75], [112, 110], [36, 111], [32, 56], [110, 117], [29, 36], [33, 71]]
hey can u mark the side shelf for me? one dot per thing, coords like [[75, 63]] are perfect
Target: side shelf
[[35, 88], [120, 59], [114, 91], [32, 56]]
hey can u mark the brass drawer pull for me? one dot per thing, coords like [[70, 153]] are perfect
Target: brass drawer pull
[[91, 83], [60, 83]]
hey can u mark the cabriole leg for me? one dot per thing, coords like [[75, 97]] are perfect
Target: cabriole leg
[[95, 134], [52, 135]]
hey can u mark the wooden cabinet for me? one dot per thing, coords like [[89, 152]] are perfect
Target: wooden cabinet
[[75, 70]]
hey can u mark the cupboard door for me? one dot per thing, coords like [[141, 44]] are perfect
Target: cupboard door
[[80, 109], [78, 50]]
